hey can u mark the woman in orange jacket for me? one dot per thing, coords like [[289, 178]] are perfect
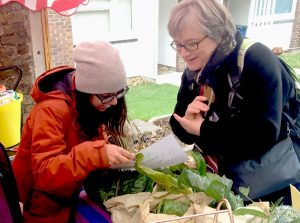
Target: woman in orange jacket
[[64, 137]]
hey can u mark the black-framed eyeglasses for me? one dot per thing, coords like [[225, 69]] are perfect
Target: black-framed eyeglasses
[[190, 46], [110, 98]]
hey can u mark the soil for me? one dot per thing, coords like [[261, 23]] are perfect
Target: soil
[[138, 80], [141, 141]]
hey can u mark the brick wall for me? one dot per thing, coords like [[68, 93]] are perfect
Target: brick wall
[[60, 39], [15, 49], [295, 40]]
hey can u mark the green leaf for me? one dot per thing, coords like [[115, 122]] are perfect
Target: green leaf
[[276, 204], [194, 180], [200, 163], [235, 200], [178, 168], [105, 195], [227, 182], [214, 186], [244, 191], [167, 182], [142, 183], [217, 190], [283, 214], [250, 211], [173, 207]]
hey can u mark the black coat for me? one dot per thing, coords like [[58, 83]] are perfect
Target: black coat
[[267, 90]]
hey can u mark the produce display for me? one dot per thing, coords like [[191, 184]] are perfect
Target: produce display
[[183, 180]]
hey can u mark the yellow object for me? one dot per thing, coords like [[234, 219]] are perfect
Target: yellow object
[[295, 194], [10, 122]]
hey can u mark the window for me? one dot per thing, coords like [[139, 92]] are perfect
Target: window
[[283, 6], [109, 20]]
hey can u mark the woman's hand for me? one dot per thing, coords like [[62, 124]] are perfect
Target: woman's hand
[[118, 156], [193, 118]]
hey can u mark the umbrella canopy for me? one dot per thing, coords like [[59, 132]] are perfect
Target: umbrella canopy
[[63, 7]]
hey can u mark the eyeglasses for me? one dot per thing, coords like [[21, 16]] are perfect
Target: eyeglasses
[[190, 46], [108, 99]]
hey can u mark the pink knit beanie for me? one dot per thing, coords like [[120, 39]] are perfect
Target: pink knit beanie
[[99, 68]]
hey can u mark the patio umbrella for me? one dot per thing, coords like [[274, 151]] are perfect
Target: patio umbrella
[[63, 7]]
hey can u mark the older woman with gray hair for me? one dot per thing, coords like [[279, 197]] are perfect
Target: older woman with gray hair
[[229, 127]]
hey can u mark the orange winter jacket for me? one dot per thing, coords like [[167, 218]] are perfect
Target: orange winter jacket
[[54, 157]]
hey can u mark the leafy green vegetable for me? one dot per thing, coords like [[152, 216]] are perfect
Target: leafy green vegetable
[[276, 204], [142, 183], [216, 190], [284, 214], [200, 163], [173, 207], [245, 211], [101, 185], [212, 185], [222, 179], [195, 181], [235, 200], [245, 191], [167, 182], [177, 168]]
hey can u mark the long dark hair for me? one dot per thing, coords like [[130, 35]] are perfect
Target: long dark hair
[[90, 119]]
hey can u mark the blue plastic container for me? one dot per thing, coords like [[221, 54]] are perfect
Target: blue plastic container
[[242, 29]]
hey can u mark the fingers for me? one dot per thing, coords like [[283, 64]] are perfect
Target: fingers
[[127, 154], [178, 118], [118, 156], [193, 118], [198, 105], [191, 126], [201, 99]]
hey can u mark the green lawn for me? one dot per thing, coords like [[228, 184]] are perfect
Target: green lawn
[[293, 59], [150, 100]]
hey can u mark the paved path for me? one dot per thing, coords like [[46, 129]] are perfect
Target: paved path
[[169, 78]]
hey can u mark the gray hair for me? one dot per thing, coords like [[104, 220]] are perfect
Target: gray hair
[[208, 16]]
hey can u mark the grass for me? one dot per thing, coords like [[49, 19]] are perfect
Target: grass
[[150, 100], [293, 59]]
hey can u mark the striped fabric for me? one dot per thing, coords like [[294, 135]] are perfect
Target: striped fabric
[[88, 212], [63, 7], [211, 164]]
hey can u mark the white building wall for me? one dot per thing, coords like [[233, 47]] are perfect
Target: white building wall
[[138, 49], [144, 60], [166, 55], [239, 10], [276, 35]]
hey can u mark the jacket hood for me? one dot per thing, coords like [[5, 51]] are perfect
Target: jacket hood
[[54, 84]]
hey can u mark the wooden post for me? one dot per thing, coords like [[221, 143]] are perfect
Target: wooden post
[[47, 47]]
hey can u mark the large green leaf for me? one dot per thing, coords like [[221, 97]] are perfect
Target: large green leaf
[[167, 182], [194, 180], [173, 207], [245, 211], [200, 163]]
